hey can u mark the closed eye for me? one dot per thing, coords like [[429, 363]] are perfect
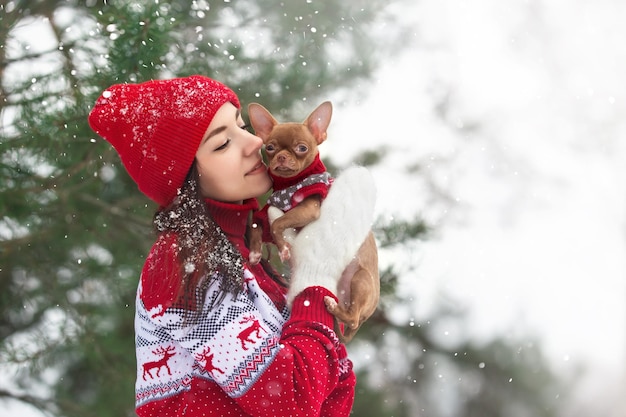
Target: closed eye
[[223, 146]]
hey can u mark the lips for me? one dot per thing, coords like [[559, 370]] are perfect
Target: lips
[[258, 168]]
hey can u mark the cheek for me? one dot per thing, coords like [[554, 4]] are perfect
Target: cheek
[[212, 177], [221, 182]]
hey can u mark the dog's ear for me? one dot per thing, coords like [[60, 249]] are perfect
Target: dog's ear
[[318, 121], [261, 120]]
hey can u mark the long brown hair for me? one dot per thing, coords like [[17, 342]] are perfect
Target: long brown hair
[[205, 254]]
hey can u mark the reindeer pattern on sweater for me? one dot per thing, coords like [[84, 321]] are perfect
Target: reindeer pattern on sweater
[[230, 344]]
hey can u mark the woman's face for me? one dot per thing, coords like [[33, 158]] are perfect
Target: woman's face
[[229, 159]]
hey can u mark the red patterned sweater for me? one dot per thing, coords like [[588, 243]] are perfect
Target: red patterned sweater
[[289, 192], [248, 356]]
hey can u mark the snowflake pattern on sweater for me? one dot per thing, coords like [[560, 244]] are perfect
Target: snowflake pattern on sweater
[[241, 337], [288, 198]]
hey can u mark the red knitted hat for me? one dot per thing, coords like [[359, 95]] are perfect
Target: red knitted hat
[[156, 128]]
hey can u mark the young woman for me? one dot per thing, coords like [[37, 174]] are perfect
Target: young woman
[[214, 335]]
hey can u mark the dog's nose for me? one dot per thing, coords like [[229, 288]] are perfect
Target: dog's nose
[[281, 158]]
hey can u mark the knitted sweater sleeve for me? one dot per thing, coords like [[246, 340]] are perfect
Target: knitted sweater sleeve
[[309, 368], [270, 363]]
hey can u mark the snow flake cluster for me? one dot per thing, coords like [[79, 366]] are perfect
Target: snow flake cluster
[[201, 242]]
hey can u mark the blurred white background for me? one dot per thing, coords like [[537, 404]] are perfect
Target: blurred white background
[[528, 143]]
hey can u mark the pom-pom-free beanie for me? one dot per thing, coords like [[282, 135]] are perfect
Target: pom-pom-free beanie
[[156, 128]]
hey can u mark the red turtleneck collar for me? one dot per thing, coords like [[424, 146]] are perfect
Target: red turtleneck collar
[[233, 220], [316, 167]]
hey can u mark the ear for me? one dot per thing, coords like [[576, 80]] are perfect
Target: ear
[[318, 121], [261, 120]]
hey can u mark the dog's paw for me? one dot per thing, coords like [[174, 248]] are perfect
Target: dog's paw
[[284, 253], [330, 302], [254, 257]]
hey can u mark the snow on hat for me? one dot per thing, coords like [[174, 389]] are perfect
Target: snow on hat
[[156, 128]]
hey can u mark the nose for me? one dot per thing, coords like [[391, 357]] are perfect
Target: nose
[[253, 144]]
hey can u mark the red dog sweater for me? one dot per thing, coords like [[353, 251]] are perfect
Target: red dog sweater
[[289, 192]]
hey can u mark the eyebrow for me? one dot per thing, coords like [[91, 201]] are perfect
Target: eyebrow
[[220, 129]]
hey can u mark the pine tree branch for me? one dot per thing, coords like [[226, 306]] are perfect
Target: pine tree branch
[[41, 404], [70, 69], [116, 211]]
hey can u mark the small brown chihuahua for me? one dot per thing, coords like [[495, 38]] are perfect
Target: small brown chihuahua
[[300, 184]]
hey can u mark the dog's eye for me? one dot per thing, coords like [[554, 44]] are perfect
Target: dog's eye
[[269, 148], [302, 149]]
